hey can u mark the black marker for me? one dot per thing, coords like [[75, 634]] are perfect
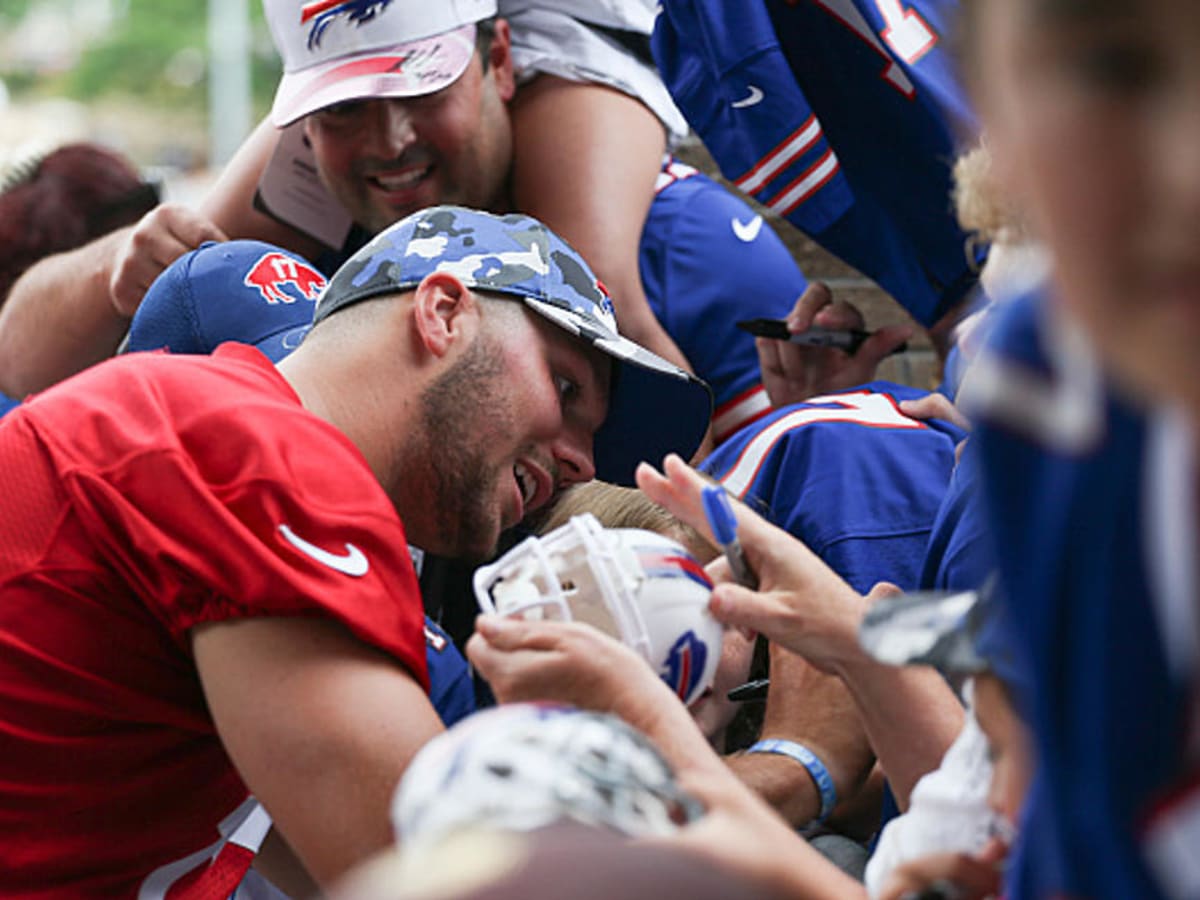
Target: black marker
[[848, 340]]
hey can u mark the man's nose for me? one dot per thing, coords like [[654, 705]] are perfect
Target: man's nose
[[392, 129], [573, 453]]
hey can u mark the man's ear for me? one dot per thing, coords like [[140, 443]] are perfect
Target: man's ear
[[500, 64], [445, 312]]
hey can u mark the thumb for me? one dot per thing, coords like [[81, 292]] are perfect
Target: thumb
[[500, 632], [733, 604]]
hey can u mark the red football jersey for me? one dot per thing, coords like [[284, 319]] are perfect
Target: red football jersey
[[145, 496]]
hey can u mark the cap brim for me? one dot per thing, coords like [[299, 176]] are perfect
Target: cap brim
[[924, 628], [655, 407], [405, 70]]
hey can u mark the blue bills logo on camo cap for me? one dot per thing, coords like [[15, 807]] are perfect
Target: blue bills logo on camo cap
[[655, 407]]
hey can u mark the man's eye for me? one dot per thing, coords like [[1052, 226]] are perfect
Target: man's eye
[[1115, 66], [342, 110], [567, 389]]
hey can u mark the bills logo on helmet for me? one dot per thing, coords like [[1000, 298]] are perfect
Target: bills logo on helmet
[[659, 565], [323, 12], [685, 664], [274, 271]]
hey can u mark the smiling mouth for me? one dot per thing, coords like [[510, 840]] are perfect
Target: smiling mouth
[[526, 482], [400, 181]]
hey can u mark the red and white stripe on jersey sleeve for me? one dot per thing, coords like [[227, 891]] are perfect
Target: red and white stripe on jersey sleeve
[[761, 178], [864, 408], [216, 870], [733, 415]]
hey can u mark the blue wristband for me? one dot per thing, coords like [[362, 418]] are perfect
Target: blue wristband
[[808, 759]]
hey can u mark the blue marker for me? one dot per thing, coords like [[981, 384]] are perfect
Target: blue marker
[[723, 523]]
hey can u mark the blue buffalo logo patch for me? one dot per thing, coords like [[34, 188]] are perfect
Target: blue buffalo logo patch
[[684, 665], [322, 13]]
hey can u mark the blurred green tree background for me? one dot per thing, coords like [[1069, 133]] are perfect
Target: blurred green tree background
[[154, 52]]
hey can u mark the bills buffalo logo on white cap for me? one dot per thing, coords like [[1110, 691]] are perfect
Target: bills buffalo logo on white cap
[[340, 51], [322, 12]]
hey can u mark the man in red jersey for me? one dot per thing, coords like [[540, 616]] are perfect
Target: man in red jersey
[[205, 591]]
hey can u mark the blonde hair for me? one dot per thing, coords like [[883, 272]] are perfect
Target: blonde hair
[[622, 507], [981, 206]]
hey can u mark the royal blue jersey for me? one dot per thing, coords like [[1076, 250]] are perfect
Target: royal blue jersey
[[959, 555], [451, 687], [848, 474], [1066, 465], [842, 116], [698, 246]]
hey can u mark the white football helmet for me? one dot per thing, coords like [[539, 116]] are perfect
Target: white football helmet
[[522, 766], [638, 586]]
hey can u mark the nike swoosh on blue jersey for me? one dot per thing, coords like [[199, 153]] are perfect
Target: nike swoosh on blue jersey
[[746, 231], [751, 99]]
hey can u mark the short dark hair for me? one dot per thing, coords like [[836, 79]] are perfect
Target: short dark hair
[[71, 196], [485, 32]]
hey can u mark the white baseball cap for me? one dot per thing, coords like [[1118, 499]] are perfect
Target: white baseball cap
[[339, 50]]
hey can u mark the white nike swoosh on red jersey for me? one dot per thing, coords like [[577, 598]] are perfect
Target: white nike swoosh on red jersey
[[354, 562]]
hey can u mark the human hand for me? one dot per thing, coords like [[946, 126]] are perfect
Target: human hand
[[962, 876], [800, 603], [792, 373], [938, 406], [935, 406], [157, 240], [569, 662]]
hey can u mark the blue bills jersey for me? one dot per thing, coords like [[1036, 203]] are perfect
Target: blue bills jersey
[[848, 474], [843, 116], [707, 260], [959, 555], [451, 686], [1065, 468]]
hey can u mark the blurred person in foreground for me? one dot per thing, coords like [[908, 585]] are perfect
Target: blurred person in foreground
[[1087, 402]]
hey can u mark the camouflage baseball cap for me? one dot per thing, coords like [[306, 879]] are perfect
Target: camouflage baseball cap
[[655, 407]]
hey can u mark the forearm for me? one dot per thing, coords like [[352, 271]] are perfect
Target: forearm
[[781, 782], [813, 709], [59, 318], [585, 163], [910, 715]]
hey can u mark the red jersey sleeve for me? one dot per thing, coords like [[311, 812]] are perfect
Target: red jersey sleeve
[[216, 495]]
